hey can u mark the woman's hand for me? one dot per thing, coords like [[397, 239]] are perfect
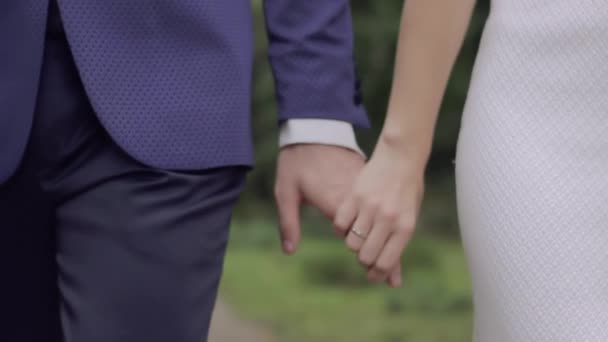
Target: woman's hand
[[379, 215]]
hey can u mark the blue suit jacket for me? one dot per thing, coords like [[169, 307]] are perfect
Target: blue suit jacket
[[171, 79]]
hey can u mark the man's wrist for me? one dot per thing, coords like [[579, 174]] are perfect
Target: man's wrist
[[318, 131]]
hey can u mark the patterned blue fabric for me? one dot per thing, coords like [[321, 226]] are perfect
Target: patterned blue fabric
[[171, 79], [21, 44]]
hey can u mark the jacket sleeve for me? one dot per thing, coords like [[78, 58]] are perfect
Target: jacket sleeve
[[311, 53]]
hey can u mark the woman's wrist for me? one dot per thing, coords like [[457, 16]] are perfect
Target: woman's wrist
[[411, 144], [411, 154]]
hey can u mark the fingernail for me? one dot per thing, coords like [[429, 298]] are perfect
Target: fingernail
[[287, 246]]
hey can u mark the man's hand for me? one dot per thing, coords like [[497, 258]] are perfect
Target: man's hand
[[315, 174]]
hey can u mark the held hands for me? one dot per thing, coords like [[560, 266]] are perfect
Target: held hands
[[375, 206], [380, 213]]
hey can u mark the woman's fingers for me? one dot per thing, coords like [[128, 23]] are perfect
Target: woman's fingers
[[391, 253], [394, 279], [373, 245], [360, 230], [378, 234], [379, 215]]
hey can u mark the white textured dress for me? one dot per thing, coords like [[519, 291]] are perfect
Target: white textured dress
[[532, 173]]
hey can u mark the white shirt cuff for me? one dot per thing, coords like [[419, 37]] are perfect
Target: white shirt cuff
[[319, 131]]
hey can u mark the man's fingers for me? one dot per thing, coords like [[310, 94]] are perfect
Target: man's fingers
[[325, 199], [288, 204]]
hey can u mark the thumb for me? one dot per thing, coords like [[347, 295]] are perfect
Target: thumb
[[288, 205]]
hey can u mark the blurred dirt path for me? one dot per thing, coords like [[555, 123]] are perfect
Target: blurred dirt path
[[226, 326]]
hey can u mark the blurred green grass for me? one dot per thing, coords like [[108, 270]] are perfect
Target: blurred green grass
[[321, 294]]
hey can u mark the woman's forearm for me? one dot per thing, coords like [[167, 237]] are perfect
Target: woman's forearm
[[432, 32]]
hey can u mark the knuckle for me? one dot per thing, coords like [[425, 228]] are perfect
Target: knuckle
[[390, 214], [372, 204], [406, 226]]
